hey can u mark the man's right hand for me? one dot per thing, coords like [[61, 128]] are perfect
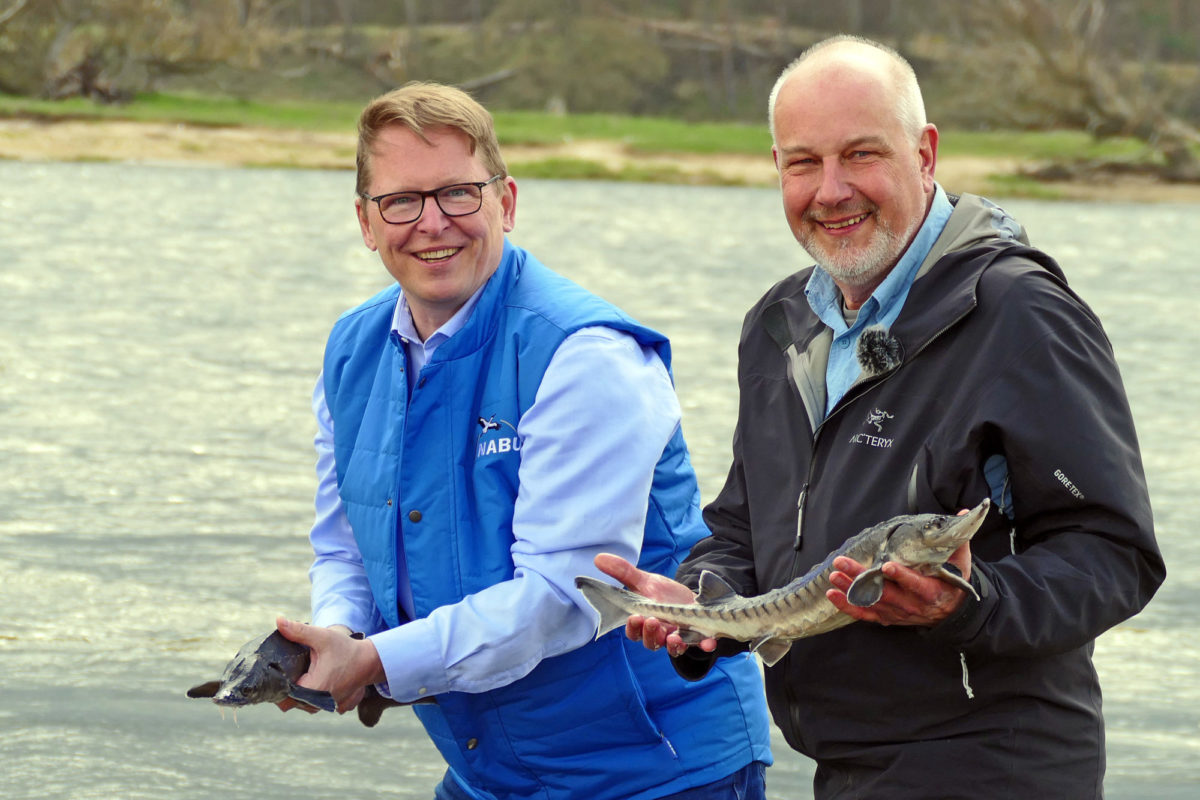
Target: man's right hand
[[340, 665], [653, 633]]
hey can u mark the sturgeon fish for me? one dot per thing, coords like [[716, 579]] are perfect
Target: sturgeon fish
[[265, 670], [771, 622]]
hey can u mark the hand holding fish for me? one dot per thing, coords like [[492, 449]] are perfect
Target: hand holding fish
[[651, 632], [909, 597], [341, 665], [889, 562]]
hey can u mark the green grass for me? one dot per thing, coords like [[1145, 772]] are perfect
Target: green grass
[[583, 169], [641, 134], [196, 110], [1039, 145], [649, 135], [1021, 186]]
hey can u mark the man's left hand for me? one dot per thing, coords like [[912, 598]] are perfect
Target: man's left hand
[[909, 598]]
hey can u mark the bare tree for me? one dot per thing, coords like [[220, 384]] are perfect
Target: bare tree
[[1057, 63], [14, 8], [109, 49]]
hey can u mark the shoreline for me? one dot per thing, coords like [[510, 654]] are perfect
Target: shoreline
[[27, 139]]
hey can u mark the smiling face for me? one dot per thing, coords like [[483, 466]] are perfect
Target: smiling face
[[856, 184], [439, 261]]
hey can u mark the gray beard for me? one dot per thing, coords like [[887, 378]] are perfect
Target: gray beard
[[866, 266]]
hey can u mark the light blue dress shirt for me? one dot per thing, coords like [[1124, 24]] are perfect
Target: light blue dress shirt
[[881, 308], [605, 410]]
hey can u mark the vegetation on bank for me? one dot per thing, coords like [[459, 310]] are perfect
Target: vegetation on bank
[[650, 135]]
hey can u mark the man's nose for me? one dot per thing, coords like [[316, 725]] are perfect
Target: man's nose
[[432, 219], [835, 187]]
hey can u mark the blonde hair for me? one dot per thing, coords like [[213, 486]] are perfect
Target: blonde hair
[[419, 106]]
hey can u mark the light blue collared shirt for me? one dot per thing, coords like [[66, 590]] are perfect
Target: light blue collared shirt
[[881, 308], [605, 410]]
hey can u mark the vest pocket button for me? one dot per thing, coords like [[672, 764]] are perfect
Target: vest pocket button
[[472, 744], [414, 515]]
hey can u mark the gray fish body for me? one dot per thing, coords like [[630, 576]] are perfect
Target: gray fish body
[[772, 621], [265, 670]]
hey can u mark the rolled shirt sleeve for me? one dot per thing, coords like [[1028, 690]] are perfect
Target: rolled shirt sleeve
[[601, 418]]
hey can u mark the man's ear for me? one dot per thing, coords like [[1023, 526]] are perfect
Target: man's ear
[[927, 152], [364, 223]]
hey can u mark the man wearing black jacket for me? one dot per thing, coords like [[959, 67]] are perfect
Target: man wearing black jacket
[[930, 359]]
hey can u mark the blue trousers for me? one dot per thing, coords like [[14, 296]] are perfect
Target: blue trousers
[[748, 783]]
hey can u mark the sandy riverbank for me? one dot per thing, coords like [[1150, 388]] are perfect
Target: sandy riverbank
[[152, 142]]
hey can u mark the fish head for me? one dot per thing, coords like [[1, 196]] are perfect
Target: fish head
[[249, 681], [932, 538]]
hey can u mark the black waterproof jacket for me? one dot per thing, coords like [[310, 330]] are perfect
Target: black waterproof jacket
[[996, 355]]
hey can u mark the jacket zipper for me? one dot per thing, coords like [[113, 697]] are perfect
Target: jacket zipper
[[856, 391]]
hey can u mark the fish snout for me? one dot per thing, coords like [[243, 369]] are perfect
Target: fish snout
[[231, 697], [975, 517]]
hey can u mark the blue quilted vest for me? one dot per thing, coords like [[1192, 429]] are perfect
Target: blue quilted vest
[[608, 720]]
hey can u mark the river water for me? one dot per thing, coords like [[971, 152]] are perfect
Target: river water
[[160, 331]]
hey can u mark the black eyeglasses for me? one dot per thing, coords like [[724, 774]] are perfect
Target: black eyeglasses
[[455, 200]]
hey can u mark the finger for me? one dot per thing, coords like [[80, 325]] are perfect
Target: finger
[[351, 702], [841, 581], [961, 558], [838, 598], [616, 567], [676, 646], [293, 631], [921, 590], [902, 576], [655, 632], [633, 628], [848, 566]]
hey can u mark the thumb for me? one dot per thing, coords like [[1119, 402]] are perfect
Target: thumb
[[620, 569], [293, 631]]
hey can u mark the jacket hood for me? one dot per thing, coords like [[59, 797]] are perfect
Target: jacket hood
[[977, 221]]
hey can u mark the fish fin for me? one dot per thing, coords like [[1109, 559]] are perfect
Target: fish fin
[[603, 597], [691, 637], [957, 580], [372, 706], [205, 689], [867, 588], [312, 697], [770, 649], [714, 589]]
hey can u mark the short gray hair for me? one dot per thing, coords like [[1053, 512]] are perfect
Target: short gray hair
[[910, 105]]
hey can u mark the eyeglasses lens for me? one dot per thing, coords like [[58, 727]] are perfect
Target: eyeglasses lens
[[454, 201]]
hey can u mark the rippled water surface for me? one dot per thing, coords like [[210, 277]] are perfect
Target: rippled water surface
[[160, 332]]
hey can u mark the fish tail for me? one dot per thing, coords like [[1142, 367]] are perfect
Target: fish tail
[[605, 598]]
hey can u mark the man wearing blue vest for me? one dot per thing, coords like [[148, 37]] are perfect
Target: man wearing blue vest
[[485, 429]]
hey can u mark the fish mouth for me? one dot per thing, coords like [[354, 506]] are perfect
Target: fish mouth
[[231, 700]]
